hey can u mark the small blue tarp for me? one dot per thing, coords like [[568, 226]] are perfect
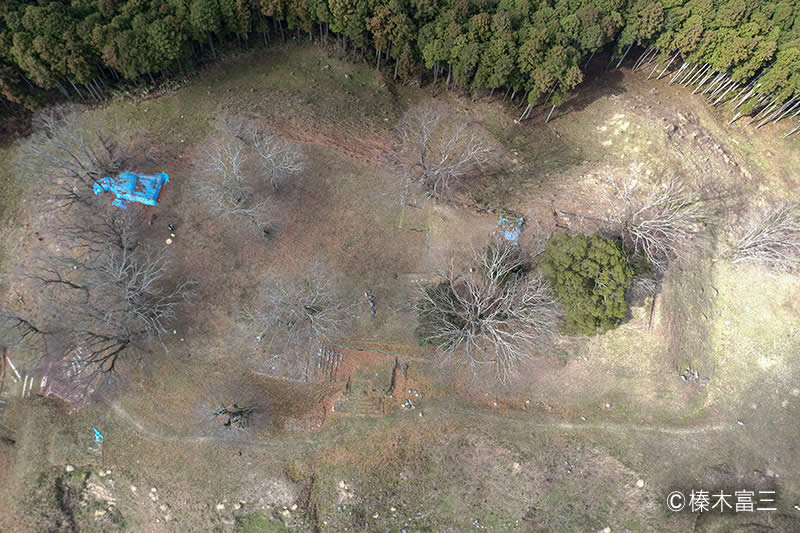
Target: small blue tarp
[[98, 437], [511, 228], [132, 187]]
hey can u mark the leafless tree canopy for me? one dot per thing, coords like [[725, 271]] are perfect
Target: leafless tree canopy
[[110, 301], [773, 239], [439, 148], [498, 315], [70, 151], [293, 319], [276, 159], [279, 160], [229, 191], [95, 228], [237, 172], [236, 125], [657, 222]]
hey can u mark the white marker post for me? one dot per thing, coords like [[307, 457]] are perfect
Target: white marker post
[[24, 385]]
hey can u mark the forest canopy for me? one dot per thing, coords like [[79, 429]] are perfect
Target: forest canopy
[[536, 48]]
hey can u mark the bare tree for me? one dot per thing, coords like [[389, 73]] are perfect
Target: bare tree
[[496, 315], [237, 417], [773, 239], [236, 125], [440, 149], [70, 151], [98, 227], [112, 301], [293, 318], [16, 329], [229, 190], [279, 159], [657, 222]]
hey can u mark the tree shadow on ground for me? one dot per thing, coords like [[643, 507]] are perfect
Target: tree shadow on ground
[[598, 82]]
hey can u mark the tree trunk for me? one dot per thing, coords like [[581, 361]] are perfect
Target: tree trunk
[[653, 71], [791, 132], [720, 78], [624, 55], [747, 96], [711, 72], [549, 114], [26, 80], [788, 111], [588, 60], [668, 64], [211, 44], [641, 58], [76, 90], [89, 92], [698, 75], [677, 73], [721, 97], [772, 115], [63, 91]]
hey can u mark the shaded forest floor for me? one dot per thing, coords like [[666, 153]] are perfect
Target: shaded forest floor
[[593, 436]]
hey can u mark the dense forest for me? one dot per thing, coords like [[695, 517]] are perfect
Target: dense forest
[[742, 51]]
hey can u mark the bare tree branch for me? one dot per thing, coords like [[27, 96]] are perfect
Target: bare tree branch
[[657, 222], [293, 318], [279, 159], [440, 151], [236, 125], [497, 315], [69, 152], [111, 301], [93, 230], [773, 239], [228, 191], [15, 329]]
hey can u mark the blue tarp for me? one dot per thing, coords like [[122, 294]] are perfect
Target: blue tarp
[[511, 228], [131, 187]]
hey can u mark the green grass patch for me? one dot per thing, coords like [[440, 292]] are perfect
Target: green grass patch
[[259, 522]]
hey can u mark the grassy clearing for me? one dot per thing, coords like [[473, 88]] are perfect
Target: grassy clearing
[[756, 338], [607, 412]]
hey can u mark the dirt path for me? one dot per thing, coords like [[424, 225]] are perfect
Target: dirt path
[[612, 427]]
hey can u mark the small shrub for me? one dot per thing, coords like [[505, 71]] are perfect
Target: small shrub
[[773, 239], [590, 276]]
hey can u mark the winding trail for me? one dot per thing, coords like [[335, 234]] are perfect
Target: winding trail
[[613, 427]]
